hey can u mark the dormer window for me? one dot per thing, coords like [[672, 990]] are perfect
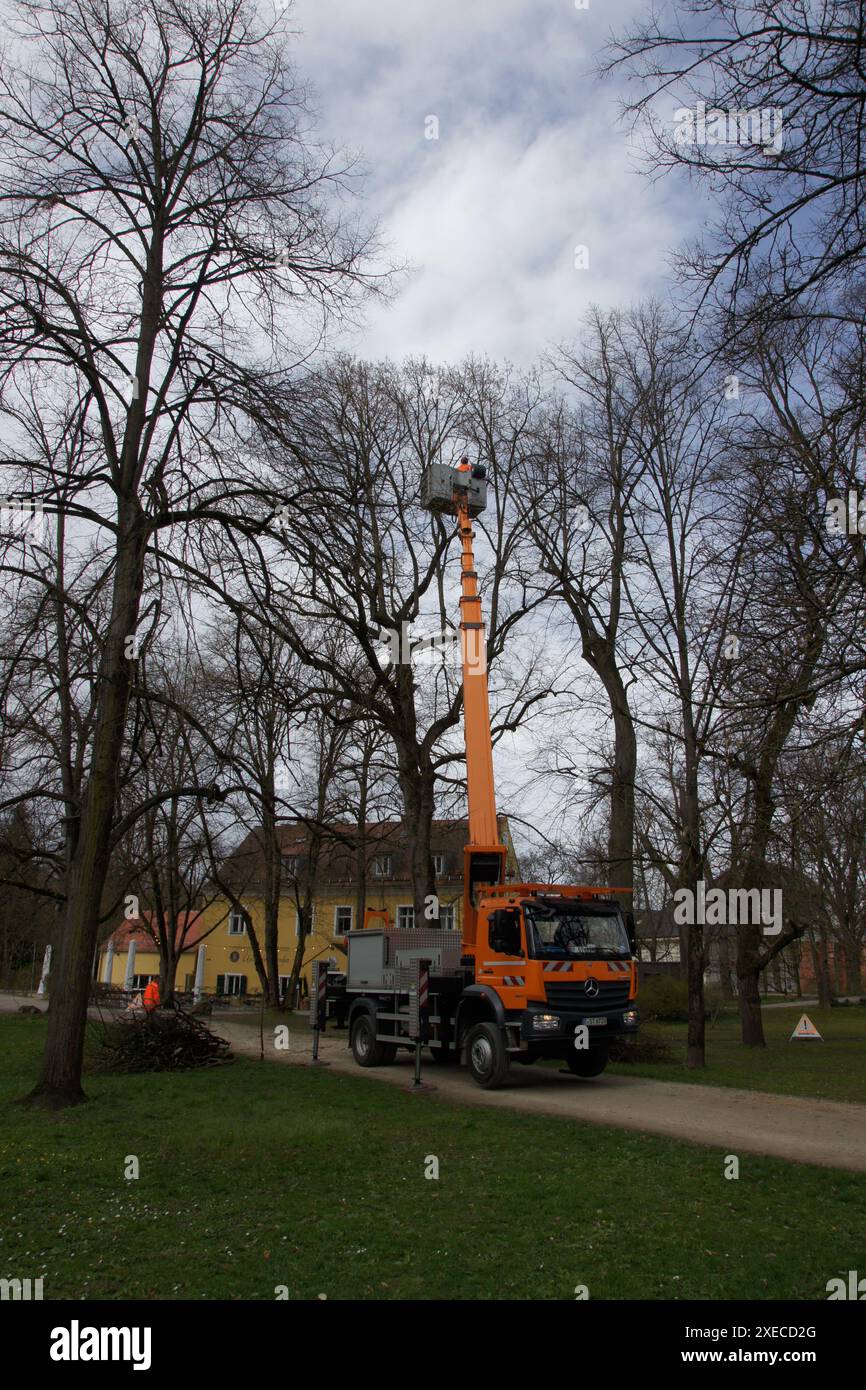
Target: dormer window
[[381, 866]]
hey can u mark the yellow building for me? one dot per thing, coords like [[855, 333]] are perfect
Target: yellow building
[[216, 954]]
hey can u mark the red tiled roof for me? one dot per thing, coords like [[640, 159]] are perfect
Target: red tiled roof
[[243, 867], [188, 932]]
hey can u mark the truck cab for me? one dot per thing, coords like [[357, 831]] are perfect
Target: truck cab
[[554, 976]]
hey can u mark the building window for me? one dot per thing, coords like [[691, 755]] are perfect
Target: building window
[[237, 923], [232, 984], [381, 866], [310, 923], [439, 865], [342, 920], [446, 917], [405, 916], [292, 864]]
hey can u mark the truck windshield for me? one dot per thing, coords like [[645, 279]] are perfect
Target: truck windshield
[[556, 934]]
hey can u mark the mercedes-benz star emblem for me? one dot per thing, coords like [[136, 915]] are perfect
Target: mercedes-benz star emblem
[[591, 987]]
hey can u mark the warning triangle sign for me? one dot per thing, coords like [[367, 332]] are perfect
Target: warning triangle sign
[[805, 1029]]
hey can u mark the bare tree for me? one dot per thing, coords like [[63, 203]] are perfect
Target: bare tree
[[677, 587], [766, 106], [797, 601], [259, 696], [161, 215], [577, 499]]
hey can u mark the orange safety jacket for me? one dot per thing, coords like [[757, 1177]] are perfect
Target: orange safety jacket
[[151, 995]]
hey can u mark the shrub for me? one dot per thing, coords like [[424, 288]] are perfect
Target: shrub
[[664, 998]]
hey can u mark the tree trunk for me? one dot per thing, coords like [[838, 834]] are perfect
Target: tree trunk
[[258, 958], [624, 771], [59, 1081], [273, 878], [748, 980], [167, 978], [853, 968], [304, 930], [360, 882], [751, 1020], [307, 907], [361, 840], [695, 1055], [693, 870], [725, 965], [683, 934], [417, 787], [822, 971]]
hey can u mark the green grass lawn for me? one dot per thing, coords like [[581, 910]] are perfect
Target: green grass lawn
[[256, 1175], [834, 1069]]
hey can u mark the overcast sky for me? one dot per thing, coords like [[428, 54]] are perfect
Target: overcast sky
[[529, 163]]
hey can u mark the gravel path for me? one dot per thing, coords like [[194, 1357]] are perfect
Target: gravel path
[[827, 1133]]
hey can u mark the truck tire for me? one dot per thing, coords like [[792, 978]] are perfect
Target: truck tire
[[590, 1062], [486, 1056], [367, 1050]]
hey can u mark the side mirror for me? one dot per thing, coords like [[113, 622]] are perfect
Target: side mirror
[[504, 932]]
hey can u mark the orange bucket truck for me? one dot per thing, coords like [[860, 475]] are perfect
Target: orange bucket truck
[[541, 970]]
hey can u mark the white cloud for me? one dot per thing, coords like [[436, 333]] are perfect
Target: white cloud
[[529, 163]]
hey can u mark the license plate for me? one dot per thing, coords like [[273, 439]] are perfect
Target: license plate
[[593, 1023]]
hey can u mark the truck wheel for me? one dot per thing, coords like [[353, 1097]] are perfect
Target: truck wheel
[[367, 1050], [589, 1062], [486, 1056]]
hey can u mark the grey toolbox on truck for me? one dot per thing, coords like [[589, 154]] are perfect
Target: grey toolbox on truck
[[382, 958]]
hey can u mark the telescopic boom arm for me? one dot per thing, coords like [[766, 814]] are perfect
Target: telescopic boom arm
[[461, 492], [483, 829]]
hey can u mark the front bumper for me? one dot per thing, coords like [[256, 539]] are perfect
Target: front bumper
[[601, 1025]]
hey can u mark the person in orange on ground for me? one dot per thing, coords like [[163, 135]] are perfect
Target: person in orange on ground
[[151, 996]]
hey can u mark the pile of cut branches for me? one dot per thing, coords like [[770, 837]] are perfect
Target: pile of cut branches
[[164, 1040]]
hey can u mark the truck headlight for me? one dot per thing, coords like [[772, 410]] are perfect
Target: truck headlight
[[630, 1016], [545, 1023]]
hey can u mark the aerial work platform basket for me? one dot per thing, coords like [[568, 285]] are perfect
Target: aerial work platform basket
[[443, 488]]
